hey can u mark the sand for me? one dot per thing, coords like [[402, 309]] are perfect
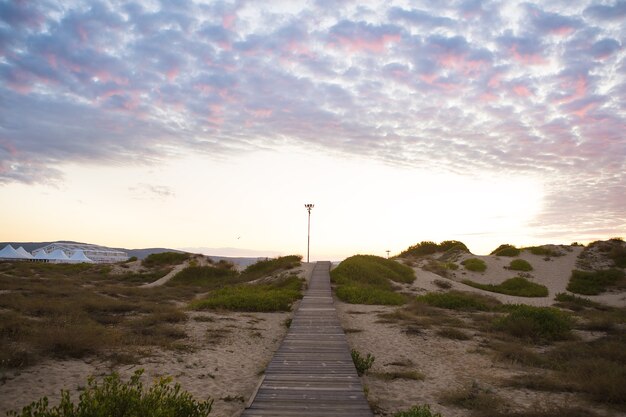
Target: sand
[[231, 350]]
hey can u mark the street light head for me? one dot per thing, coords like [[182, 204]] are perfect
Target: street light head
[[309, 206]]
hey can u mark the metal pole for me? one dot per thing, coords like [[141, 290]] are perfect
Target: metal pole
[[308, 244]]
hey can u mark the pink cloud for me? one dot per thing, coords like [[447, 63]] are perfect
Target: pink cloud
[[172, 73], [360, 44], [228, 20], [527, 58], [522, 91]]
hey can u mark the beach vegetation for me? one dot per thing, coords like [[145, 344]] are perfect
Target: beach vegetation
[[517, 286], [535, 324], [506, 250], [520, 265], [474, 265], [275, 296], [368, 279], [207, 277], [114, 397], [472, 397], [362, 363], [429, 248], [267, 267], [574, 302], [542, 251], [595, 282], [417, 411], [165, 258], [453, 333], [394, 375], [444, 285], [460, 300]]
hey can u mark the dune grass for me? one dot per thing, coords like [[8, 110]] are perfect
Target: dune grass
[[535, 324], [520, 265], [596, 282], [277, 296], [429, 248], [417, 411], [165, 258], [269, 267], [474, 265], [517, 286], [367, 279], [506, 250], [459, 300]]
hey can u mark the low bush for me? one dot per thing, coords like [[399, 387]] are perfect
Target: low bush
[[573, 302], [417, 411], [542, 251], [361, 363], [165, 258], [520, 265], [116, 398], [517, 286], [267, 267], [618, 255], [458, 300], [506, 250], [393, 375], [474, 264], [536, 324], [444, 285], [367, 279], [593, 283], [472, 397], [204, 276], [428, 248], [277, 296], [355, 294]]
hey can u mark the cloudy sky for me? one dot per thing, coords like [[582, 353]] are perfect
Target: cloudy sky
[[210, 124]]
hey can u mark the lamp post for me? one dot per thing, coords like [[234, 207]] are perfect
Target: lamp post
[[308, 244]]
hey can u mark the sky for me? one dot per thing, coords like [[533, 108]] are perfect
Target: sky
[[209, 124]]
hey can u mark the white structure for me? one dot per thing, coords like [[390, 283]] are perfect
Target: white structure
[[80, 257], [9, 253], [80, 252], [24, 253]]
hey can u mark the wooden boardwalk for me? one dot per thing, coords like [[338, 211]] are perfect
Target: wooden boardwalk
[[312, 373]]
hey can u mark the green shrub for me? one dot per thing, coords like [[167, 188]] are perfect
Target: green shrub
[[618, 254], [458, 300], [267, 267], [574, 302], [204, 276], [258, 298], [417, 411], [428, 248], [520, 265], [542, 251], [535, 323], [115, 398], [518, 286], [362, 364], [474, 264], [368, 295], [165, 258], [593, 283], [367, 279], [506, 250]]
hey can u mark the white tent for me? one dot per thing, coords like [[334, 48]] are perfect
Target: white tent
[[79, 256], [9, 253], [39, 255], [58, 256], [24, 253]]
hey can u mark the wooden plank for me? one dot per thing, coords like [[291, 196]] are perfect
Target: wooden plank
[[312, 374]]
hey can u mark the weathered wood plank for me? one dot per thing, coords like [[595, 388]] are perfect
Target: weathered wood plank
[[312, 373]]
